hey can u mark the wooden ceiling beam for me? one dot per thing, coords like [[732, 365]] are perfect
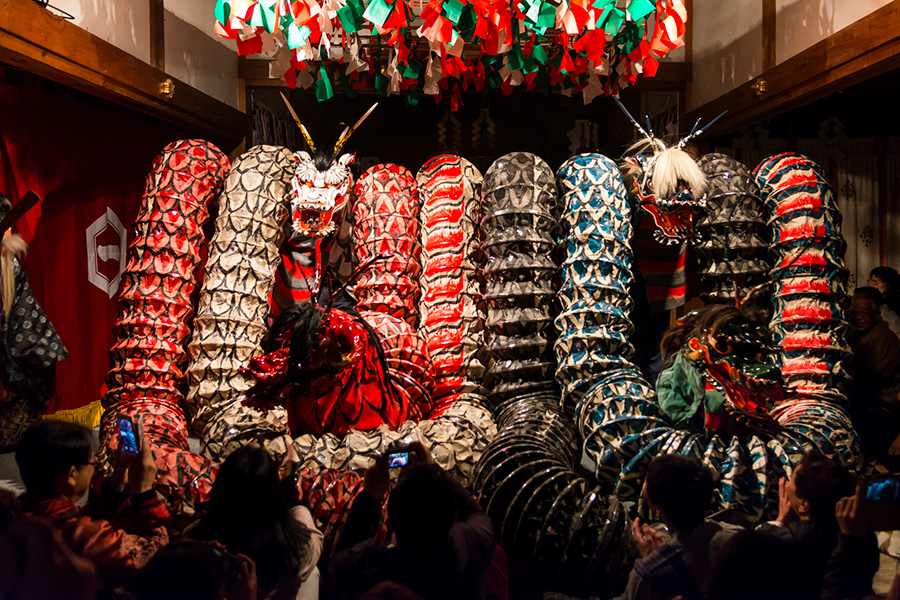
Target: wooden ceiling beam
[[862, 50], [35, 40]]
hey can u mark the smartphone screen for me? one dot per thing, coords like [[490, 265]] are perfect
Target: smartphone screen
[[883, 489], [398, 459], [127, 441]]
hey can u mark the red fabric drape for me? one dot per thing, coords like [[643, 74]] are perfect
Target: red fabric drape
[[83, 156]]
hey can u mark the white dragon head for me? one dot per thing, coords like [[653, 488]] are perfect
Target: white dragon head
[[320, 183]]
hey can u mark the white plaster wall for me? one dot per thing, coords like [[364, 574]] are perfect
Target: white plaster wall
[[122, 23], [200, 14], [802, 23], [727, 48], [194, 53], [200, 60]]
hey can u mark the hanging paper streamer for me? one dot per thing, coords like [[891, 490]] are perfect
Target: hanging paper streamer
[[592, 46]]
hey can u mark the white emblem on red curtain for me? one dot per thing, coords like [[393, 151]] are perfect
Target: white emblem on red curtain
[[106, 241]]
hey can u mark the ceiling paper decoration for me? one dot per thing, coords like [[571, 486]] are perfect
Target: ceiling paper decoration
[[444, 48]]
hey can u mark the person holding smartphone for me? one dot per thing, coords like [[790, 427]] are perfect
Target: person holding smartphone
[[120, 529], [443, 541]]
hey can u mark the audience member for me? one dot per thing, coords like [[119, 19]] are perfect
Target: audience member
[[54, 460], [10, 508], [191, 570], [755, 566], [806, 522], [443, 539], [887, 281], [855, 560], [875, 368], [38, 565], [388, 590], [251, 513], [679, 489]]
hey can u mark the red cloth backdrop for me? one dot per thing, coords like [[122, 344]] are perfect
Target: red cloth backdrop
[[83, 156]]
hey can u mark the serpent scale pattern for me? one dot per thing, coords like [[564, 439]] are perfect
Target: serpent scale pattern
[[146, 380], [809, 273], [623, 428], [519, 273], [449, 318], [731, 235], [234, 304], [569, 532], [386, 229]]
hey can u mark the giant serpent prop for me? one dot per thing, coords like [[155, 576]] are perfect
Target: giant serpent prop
[[571, 529], [146, 381], [555, 521]]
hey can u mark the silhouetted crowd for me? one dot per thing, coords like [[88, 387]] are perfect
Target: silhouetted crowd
[[255, 539]]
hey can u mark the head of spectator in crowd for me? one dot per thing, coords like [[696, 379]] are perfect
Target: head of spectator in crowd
[[815, 487], [54, 459], [10, 508], [680, 489], [421, 508], [37, 563], [864, 310], [752, 565], [887, 281], [189, 570], [388, 590], [248, 513]]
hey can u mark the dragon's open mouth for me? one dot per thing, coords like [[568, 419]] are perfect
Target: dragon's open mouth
[[311, 219]]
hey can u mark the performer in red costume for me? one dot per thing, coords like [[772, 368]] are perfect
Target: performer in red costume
[[325, 365], [327, 368]]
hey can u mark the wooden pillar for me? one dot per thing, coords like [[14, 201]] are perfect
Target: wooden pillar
[[158, 34], [769, 33], [687, 99], [883, 200]]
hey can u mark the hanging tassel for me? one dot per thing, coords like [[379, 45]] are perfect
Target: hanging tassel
[[13, 246], [86, 416]]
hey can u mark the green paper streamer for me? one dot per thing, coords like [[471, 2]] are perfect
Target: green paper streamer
[[347, 17], [602, 4], [547, 17], [452, 9], [638, 9], [411, 70], [530, 66], [412, 98], [467, 22], [377, 12], [539, 54], [323, 86], [611, 20], [296, 36], [267, 15], [630, 37], [347, 86], [381, 84], [223, 11], [515, 58], [495, 80], [534, 11]]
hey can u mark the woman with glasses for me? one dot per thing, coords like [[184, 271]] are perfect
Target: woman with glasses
[[887, 281]]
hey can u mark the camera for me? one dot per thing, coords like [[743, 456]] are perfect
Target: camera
[[398, 459], [127, 440]]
